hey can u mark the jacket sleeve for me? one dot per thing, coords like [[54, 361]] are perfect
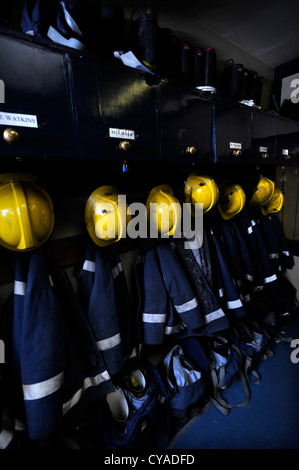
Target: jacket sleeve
[[155, 306], [58, 374], [228, 295], [287, 260], [179, 288], [98, 280]]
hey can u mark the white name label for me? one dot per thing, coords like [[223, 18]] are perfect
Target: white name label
[[121, 133], [235, 145], [263, 149], [22, 120]]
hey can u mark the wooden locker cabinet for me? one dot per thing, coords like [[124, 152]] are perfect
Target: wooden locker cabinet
[[116, 111], [36, 119], [287, 147], [186, 120], [263, 128], [128, 113], [232, 132]]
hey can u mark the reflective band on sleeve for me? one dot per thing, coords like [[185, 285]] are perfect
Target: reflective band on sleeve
[[186, 306], [287, 253], [214, 315], [108, 343], [88, 382], [120, 268], [133, 353], [154, 317], [20, 287], [270, 278], [5, 438], [221, 293], [170, 330], [234, 304], [273, 255], [116, 270], [250, 230], [42, 389], [89, 266], [6, 433]]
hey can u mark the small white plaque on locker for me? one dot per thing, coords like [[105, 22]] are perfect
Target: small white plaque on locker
[[263, 149], [21, 120], [121, 133], [235, 145]]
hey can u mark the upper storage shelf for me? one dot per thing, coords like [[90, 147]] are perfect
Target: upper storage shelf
[[60, 103]]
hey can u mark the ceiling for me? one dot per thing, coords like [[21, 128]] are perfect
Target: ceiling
[[266, 29]]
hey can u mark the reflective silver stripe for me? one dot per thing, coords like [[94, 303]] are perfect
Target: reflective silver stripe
[[253, 223], [221, 293], [270, 278], [119, 266], [51, 281], [42, 389], [186, 306], [5, 438], [108, 343], [234, 304], [6, 435], [154, 317], [20, 287], [89, 266], [249, 230], [287, 253], [214, 315], [116, 270], [88, 382], [169, 330], [273, 255], [133, 353], [248, 277], [20, 425]]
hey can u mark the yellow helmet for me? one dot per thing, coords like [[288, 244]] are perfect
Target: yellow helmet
[[26, 211], [106, 215], [263, 192], [163, 210], [201, 189], [275, 204], [231, 200]]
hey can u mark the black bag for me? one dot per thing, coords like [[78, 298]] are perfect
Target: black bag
[[221, 359]]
